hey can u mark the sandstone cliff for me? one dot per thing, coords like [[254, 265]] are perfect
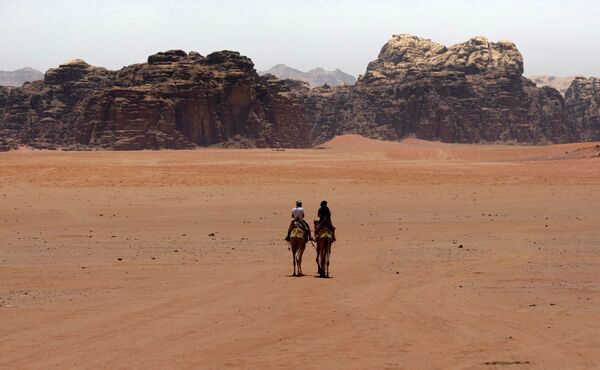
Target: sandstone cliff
[[469, 92], [176, 100], [583, 107]]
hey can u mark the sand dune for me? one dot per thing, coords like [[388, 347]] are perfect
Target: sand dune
[[449, 257]]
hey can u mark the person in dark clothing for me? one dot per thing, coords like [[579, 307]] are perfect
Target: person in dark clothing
[[324, 215], [324, 212]]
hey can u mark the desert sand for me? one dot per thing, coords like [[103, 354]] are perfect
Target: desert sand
[[448, 257]]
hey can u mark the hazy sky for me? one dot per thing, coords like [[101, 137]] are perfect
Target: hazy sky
[[555, 37]]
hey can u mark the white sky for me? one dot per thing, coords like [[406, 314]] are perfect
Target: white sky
[[555, 37]]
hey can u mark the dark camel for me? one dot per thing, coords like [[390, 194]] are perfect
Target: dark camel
[[324, 238]]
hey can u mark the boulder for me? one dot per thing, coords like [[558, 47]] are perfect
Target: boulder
[[169, 56]]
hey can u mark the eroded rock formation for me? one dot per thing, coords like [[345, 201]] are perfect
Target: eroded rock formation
[[469, 92], [176, 100], [583, 107]]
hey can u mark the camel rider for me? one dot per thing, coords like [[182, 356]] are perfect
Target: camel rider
[[324, 215], [298, 216]]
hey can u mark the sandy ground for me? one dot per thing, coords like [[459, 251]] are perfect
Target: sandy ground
[[449, 257]]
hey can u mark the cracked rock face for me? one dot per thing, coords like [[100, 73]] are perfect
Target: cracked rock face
[[176, 100], [583, 106], [469, 92]]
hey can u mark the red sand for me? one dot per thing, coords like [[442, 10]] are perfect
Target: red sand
[[106, 259]]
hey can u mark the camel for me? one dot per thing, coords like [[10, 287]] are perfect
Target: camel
[[298, 244], [324, 239]]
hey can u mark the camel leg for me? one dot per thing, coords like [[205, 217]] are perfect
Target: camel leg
[[321, 272], [294, 259], [321, 266], [327, 258], [300, 253], [325, 262], [320, 258], [318, 265], [297, 262]]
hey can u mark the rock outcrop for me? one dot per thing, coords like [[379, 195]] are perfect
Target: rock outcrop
[[19, 77], [583, 107], [315, 77], [176, 100], [469, 92]]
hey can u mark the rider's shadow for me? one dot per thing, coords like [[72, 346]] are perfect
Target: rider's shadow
[[315, 276]]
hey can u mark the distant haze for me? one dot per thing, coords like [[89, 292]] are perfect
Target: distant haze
[[556, 37], [19, 76], [314, 77], [559, 83]]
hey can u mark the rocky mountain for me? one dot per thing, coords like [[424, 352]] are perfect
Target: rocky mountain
[[559, 83], [175, 100], [470, 92], [20, 76], [314, 77], [583, 107]]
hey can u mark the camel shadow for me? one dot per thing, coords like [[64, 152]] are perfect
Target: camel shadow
[[316, 276], [296, 276]]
